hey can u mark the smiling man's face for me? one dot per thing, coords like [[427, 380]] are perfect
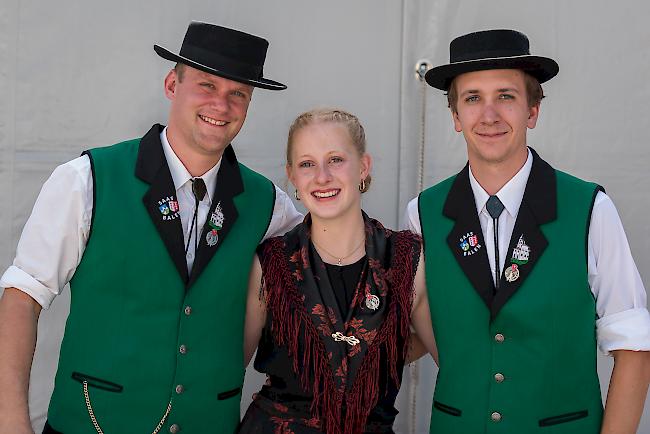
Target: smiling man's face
[[206, 111], [494, 115]]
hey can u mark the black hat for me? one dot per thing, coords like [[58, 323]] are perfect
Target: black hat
[[224, 52], [491, 49]]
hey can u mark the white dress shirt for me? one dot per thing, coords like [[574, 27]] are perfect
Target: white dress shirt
[[623, 319], [54, 238]]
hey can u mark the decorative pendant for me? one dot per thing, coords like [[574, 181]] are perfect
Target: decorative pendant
[[372, 301], [512, 273], [212, 238]]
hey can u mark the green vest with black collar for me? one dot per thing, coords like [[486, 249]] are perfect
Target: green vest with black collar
[[521, 360], [146, 347]]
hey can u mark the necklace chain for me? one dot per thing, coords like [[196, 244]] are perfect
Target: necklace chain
[[339, 260]]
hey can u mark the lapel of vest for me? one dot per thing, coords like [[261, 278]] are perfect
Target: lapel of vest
[[151, 167], [229, 184], [466, 237], [538, 206]]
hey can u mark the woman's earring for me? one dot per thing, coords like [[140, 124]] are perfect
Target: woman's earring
[[295, 194], [362, 186]]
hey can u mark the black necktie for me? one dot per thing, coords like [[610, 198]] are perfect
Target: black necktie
[[495, 208], [199, 190]]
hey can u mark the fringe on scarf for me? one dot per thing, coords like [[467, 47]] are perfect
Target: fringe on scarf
[[291, 321]]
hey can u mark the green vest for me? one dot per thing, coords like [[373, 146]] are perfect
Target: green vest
[[522, 360], [138, 333]]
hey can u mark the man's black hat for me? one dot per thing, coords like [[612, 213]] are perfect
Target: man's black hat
[[224, 52], [491, 49]]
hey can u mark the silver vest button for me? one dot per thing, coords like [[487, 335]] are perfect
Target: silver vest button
[[182, 349], [180, 389], [174, 428], [496, 416], [499, 338], [188, 310], [499, 377]]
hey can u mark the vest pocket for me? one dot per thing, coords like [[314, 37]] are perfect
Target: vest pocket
[[446, 409], [97, 382], [228, 394], [562, 418]]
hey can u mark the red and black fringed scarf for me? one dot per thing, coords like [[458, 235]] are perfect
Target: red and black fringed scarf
[[345, 376]]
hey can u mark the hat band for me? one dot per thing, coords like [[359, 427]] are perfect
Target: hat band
[[221, 63], [487, 54]]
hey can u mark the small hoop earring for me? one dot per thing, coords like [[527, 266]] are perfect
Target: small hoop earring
[[362, 186], [295, 194]]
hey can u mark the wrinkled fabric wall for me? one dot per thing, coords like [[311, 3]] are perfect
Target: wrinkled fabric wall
[[78, 75]]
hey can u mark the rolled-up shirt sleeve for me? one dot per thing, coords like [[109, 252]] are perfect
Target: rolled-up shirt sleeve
[[623, 319], [55, 235]]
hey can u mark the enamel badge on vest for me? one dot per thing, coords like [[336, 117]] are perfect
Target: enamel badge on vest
[[216, 222], [469, 244]]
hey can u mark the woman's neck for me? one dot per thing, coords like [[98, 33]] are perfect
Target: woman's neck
[[339, 240]]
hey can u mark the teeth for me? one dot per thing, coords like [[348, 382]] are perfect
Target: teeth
[[213, 121], [326, 194]]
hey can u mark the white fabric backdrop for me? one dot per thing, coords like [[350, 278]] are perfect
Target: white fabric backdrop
[[76, 75]]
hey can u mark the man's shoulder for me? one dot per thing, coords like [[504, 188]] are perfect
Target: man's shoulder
[[441, 187]]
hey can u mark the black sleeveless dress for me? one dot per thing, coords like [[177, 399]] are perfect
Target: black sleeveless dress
[[335, 340]]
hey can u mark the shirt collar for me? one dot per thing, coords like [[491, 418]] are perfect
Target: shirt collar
[[179, 173], [511, 194]]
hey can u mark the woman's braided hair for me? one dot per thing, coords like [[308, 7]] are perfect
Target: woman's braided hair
[[329, 115]]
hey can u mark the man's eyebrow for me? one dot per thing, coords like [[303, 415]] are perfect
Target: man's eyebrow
[[469, 91], [508, 89]]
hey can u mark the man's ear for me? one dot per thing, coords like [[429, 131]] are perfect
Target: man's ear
[[457, 126], [533, 115], [170, 84]]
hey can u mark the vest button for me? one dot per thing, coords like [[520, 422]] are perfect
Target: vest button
[[174, 428], [188, 310], [499, 377], [499, 338], [496, 416], [182, 349], [179, 389]]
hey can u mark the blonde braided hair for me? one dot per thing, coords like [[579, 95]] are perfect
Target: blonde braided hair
[[331, 115]]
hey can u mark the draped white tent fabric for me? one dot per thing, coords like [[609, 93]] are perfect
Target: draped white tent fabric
[[76, 75]]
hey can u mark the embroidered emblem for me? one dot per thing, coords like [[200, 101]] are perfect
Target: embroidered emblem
[[469, 244], [521, 252], [512, 273], [372, 301], [216, 223], [168, 207], [351, 340]]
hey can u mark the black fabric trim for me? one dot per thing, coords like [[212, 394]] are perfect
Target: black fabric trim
[[229, 393], [268, 225], [446, 409], [562, 418], [47, 429], [97, 382], [92, 171]]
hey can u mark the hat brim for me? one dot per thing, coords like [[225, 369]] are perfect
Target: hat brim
[[542, 68], [261, 83]]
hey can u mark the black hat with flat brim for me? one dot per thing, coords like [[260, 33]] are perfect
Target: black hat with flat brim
[[491, 49], [223, 52]]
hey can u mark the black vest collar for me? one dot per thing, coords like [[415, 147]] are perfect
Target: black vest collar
[[538, 206], [151, 167]]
